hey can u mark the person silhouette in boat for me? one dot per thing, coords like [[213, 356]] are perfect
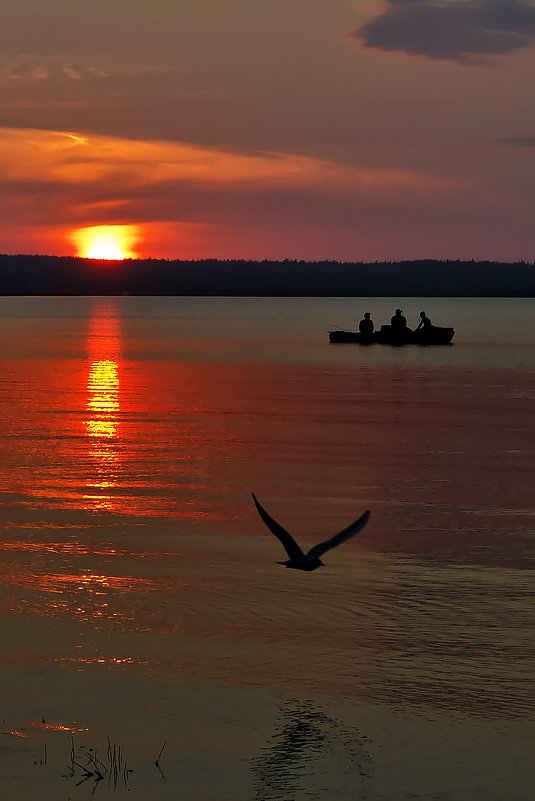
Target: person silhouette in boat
[[398, 321], [425, 323], [366, 326]]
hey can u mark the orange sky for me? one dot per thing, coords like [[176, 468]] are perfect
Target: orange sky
[[332, 130]]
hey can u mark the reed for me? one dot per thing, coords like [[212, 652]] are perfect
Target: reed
[[85, 764]]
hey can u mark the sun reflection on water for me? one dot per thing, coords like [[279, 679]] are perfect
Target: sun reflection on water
[[103, 399], [75, 728], [103, 406]]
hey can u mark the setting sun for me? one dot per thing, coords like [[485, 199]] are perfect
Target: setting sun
[[105, 250], [106, 241]]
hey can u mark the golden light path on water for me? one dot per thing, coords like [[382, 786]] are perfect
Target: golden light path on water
[[103, 405]]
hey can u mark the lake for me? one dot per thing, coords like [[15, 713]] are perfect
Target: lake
[[140, 600]]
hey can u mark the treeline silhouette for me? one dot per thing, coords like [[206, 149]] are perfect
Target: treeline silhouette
[[66, 275]]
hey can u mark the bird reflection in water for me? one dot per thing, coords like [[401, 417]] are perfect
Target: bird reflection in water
[[103, 405], [312, 756]]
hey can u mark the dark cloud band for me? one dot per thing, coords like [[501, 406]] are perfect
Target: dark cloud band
[[517, 141], [465, 31]]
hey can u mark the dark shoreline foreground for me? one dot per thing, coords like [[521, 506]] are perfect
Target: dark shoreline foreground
[[69, 275]]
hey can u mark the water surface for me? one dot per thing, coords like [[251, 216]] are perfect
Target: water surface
[[139, 594]]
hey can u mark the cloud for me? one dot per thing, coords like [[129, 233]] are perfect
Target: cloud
[[27, 69], [50, 178], [464, 31], [24, 68], [517, 141]]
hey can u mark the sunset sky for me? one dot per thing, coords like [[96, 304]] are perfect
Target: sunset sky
[[339, 129]]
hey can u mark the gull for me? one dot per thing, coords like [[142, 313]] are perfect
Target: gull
[[311, 560]]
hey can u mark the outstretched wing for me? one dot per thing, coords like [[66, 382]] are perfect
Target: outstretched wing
[[344, 535], [290, 546]]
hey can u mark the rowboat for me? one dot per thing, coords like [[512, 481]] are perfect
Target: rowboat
[[435, 335]]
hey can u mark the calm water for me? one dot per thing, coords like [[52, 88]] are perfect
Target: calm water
[[139, 596]]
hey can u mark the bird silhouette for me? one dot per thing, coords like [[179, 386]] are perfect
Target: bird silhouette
[[298, 559]]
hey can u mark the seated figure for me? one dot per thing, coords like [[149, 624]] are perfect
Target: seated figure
[[425, 322], [366, 326], [398, 321]]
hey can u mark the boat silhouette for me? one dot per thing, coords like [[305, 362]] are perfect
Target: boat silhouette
[[387, 335]]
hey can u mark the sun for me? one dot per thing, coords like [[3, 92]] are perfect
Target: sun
[[105, 249], [106, 242]]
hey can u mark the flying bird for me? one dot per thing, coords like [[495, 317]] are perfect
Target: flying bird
[[311, 560]]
